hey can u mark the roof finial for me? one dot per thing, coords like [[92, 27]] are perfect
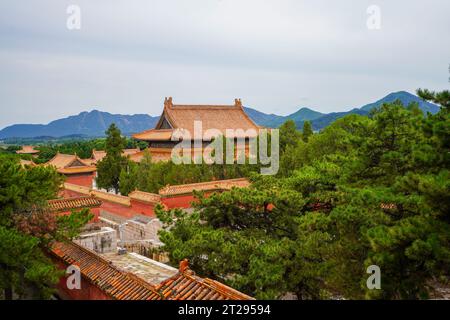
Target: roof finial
[[168, 102], [184, 265], [237, 102]]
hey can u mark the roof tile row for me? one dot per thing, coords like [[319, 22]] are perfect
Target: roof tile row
[[122, 285]]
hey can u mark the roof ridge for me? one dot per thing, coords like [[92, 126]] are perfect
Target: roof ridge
[[209, 182], [204, 106]]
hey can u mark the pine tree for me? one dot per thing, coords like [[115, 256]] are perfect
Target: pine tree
[[442, 98], [111, 166], [26, 229], [364, 191], [289, 135], [307, 131]]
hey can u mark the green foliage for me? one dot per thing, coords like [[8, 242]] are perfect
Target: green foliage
[[110, 167], [23, 263], [70, 225], [152, 176], [442, 98], [307, 131], [82, 148], [289, 135], [364, 191], [26, 228]]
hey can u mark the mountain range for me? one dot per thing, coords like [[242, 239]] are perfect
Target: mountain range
[[95, 122], [321, 120]]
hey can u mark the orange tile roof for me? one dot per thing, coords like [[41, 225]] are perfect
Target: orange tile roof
[[116, 283], [127, 152], [204, 186], [116, 198], [59, 205], [69, 164], [388, 206], [158, 154], [98, 155], [27, 150], [89, 162], [145, 196], [154, 135], [187, 286], [220, 117], [122, 285], [74, 170]]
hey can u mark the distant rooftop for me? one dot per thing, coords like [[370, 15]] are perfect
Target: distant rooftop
[[59, 205], [70, 164], [182, 116], [218, 185], [27, 150]]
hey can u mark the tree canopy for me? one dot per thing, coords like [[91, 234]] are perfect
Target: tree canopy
[[27, 227], [110, 167], [367, 190]]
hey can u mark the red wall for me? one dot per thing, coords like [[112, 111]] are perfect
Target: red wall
[[137, 207], [87, 290], [142, 208], [127, 212], [182, 201], [82, 179]]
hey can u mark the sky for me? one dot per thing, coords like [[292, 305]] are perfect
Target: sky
[[276, 55]]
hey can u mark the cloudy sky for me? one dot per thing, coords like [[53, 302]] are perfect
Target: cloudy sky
[[277, 55]]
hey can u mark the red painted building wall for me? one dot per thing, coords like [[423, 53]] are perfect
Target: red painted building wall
[[136, 207], [143, 208], [82, 179], [182, 201], [87, 291]]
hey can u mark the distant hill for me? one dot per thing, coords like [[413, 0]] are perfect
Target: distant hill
[[320, 120], [95, 123], [406, 98], [262, 118]]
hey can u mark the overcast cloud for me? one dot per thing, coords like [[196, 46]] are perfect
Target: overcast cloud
[[276, 55]]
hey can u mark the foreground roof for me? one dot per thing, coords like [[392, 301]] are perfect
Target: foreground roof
[[178, 116], [123, 285], [187, 286], [218, 185], [98, 271]]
